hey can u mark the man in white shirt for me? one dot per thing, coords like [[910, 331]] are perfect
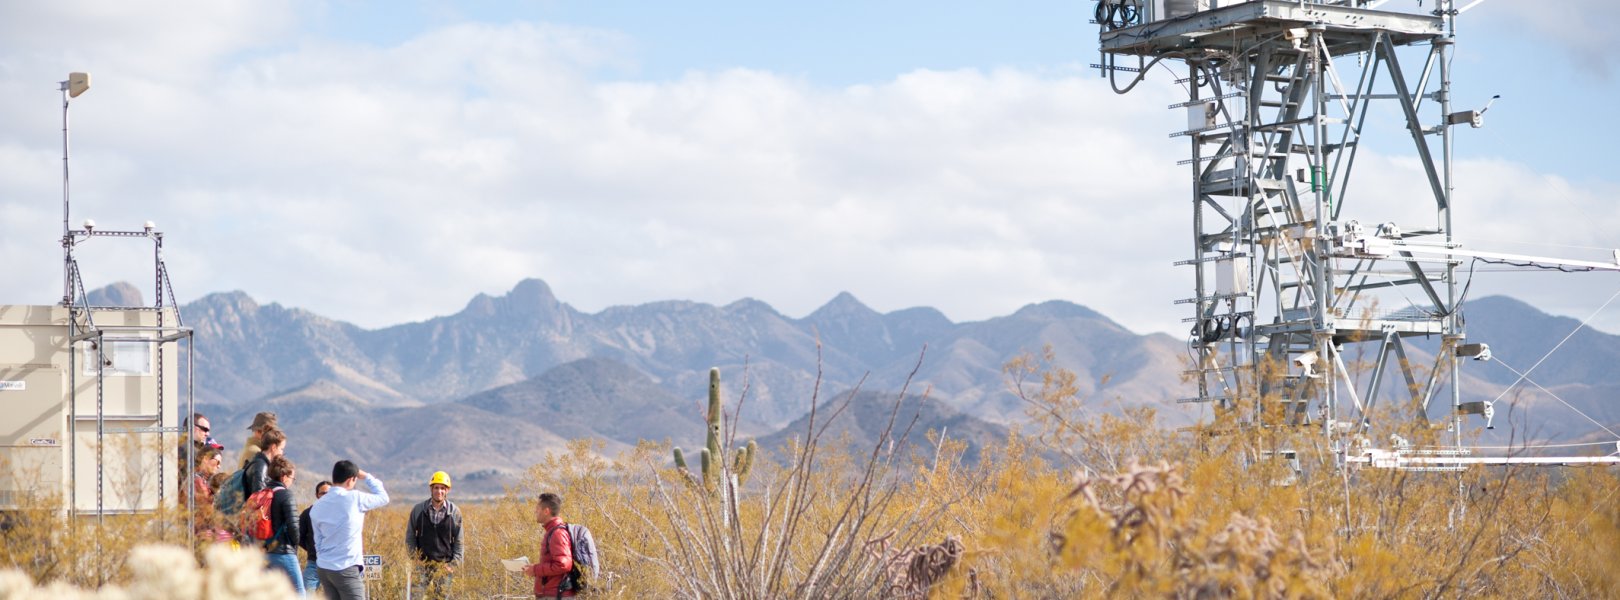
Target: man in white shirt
[[339, 519]]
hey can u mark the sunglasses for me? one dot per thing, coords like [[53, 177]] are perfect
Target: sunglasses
[[202, 429]]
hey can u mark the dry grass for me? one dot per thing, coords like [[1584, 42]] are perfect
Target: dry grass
[[1129, 511]]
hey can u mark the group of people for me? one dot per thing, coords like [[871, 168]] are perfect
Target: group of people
[[330, 531]]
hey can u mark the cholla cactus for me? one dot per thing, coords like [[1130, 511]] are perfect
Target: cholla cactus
[[742, 460], [912, 572]]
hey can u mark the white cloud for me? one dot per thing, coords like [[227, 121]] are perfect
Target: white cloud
[[383, 184], [1584, 28], [166, 40]]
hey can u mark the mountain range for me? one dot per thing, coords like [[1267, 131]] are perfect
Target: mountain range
[[487, 391], [247, 352]]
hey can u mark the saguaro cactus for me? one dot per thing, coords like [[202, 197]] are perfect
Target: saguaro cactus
[[744, 457]]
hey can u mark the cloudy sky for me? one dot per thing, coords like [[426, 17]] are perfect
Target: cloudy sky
[[383, 162]]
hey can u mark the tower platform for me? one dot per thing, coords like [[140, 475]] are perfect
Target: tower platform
[[1243, 26]]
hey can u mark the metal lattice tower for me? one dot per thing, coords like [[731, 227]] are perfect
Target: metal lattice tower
[[1284, 283]]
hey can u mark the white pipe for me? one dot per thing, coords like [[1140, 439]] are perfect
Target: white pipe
[[1381, 459], [1377, 246]]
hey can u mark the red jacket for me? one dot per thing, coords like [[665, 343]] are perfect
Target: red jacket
[[556, 560]]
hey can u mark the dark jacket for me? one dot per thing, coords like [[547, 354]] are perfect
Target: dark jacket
[[556, 560], [306, 536], [418, 513], [256, 476], [284, 521]]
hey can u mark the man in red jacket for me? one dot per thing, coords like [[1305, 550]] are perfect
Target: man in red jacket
[[556, 552]]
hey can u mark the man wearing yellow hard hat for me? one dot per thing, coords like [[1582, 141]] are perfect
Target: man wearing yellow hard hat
[[433, 535]]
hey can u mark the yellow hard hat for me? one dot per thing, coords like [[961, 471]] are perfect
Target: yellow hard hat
[[441, 478]]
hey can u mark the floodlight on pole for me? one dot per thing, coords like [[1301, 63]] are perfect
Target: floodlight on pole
[[76, 84]]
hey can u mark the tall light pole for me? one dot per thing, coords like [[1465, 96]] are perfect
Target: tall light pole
[[76, 84]]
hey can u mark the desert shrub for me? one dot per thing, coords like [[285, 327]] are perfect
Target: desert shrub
[[1073, 505]]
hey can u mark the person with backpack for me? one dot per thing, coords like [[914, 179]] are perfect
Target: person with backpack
[[281, 548], [306, 540], [252, 477], [433, 537], [256, 474], [339, 520], [551, 571]]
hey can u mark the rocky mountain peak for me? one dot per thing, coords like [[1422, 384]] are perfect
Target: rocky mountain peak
[[236, 302], [532, 291], [842, 306], [1052, 310], [530, 298], [749, 306], [122, 293], [482, 305]]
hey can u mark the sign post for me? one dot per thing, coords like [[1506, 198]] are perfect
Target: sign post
[[371, 570]]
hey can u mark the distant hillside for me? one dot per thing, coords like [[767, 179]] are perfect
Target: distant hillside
[[1569, 396], [1520, 335], [248, 352], [487, 392], [860, 426], [597, 397], [494, 436]]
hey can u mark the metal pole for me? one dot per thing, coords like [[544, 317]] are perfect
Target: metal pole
[[67, 239], [1452, 323], [1320, 269], [1200, 296], [101, 424], [67, 302], [73, 416], [101, 362], [191, 411], [157, 276]]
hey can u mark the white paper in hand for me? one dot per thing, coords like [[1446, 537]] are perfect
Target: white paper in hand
[[515, 565]]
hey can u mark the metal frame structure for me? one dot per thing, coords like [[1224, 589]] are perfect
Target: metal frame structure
[[1285, 284], [84, 333]]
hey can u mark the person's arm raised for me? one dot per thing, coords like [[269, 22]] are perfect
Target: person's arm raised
[[378, 496]]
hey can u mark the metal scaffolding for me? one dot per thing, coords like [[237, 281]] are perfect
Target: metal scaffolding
[[1286, 285], [85, 334]]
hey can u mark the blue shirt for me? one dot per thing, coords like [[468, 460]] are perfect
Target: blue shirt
[[339, 518]]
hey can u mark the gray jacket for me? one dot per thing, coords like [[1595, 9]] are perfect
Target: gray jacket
[[452, 512]]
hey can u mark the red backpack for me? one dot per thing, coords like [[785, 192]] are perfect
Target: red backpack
[[256, 515]]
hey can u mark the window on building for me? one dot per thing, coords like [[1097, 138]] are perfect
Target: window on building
[[123, 358]]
